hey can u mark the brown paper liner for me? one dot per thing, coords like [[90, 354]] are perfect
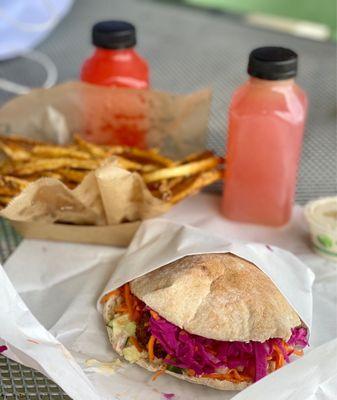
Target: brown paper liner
[[109, 203]]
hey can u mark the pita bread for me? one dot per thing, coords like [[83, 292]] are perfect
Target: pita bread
[[218, 296]]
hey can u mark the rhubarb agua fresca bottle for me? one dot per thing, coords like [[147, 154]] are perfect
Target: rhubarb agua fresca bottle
[[266, 123]]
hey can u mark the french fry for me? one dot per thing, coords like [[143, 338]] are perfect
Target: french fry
[[163, 191], [20, 141], [196, 157], [13, 182], [42, 164], [51, 174], [72, 175], [128, 164], [149, 168], [181, 170], [93, 149], [14, 152], [71, 185], [58, 151], [6, 167], [8, 191], [4, 200], [171, 181], [147, 156], [194, 184], [174, 181]]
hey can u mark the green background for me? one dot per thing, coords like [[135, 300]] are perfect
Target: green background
[[321, 11]]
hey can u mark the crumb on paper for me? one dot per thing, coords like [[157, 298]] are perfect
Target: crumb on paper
[[105, 368], [33, 341], [168, 396], [65, 352]]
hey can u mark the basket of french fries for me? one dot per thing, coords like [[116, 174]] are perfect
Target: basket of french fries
[[56, 184], [84, 192]]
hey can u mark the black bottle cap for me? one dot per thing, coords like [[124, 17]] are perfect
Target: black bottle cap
[[114, 35], [272, 63]]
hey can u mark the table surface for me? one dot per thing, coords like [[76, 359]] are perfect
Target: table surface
[[188, 49]]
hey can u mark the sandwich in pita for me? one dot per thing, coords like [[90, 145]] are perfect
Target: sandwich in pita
[[210, 319]]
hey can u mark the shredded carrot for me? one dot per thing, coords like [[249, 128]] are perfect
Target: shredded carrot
[[239, 376], [136, 343], [154, 315], [272, 366], [136, 314], [232, 375], [279, 359], [107, 296], [289, 349], [150, 347], [287, 346], [158, 373], [214, 375], [235, 374], [190, 372], [122, 308], [137, 308], [128, 300], [298, 352]]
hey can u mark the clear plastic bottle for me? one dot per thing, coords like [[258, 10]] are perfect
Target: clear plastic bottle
[[115, 63], [266, 123]]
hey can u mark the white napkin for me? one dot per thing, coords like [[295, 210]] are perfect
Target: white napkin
[[60, 284]]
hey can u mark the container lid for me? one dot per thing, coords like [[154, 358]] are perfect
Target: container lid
[[323, 213], [272, 63], [114, 35]]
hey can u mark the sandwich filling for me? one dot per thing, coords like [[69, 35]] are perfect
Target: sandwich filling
[[141, 333]]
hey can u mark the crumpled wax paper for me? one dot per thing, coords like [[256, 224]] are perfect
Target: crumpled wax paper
[[175, 124], [107, 196], [61, 282]]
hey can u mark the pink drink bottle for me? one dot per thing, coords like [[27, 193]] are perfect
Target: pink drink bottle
[[266, 124]]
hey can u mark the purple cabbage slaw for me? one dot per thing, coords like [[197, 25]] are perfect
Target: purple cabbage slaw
[[205, 356]]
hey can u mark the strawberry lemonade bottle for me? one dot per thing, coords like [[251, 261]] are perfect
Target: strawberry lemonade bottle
[[266, 124], [115, 62]]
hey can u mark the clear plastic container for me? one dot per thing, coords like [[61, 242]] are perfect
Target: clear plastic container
[[321, 215]]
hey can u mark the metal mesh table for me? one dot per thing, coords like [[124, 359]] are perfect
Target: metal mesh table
[[16, 381], [187, 49]]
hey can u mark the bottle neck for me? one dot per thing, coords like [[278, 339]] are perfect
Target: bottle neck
[[102, 52], [265, 82]]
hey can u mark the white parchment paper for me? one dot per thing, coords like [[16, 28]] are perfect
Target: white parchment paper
[[60, 284], [159, 242]]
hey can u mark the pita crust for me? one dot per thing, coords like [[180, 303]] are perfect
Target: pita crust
[[218, 296]]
